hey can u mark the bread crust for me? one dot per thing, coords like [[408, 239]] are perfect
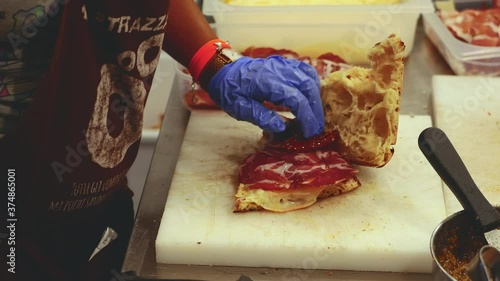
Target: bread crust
[[362, 104]]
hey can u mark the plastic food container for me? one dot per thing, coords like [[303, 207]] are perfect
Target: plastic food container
[[463, 58], [311, 30]]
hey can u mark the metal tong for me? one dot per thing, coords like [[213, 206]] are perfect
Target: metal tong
[[485, 266]]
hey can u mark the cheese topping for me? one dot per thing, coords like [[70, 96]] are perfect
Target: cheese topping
[[279, 201]]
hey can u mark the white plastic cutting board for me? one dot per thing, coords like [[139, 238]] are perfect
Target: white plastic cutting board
[[385, 225], [467, 109]]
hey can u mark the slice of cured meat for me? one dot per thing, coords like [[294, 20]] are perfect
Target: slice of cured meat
[[272, 169], [280, 180], [476, 27], [324, 64], [264, 52], [291, 140]]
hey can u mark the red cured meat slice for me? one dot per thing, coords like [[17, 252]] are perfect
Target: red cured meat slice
[[476, 27], [291, 139], [485, 41], [272, 169], [264, 52], [324, 64]]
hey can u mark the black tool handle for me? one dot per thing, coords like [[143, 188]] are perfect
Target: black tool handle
[[441, 154], [461, 5]]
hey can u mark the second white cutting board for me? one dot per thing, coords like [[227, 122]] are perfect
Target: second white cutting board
[[385, 225], [467, 109]]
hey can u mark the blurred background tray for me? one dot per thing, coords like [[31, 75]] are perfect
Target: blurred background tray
[[346, 30], [463, 58]]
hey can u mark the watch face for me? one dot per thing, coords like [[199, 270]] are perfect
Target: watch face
[[231, 54]]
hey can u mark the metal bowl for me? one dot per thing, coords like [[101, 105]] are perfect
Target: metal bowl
[[454, 243]]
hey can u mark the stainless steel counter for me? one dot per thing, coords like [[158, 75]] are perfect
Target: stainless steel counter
[[424, 62]]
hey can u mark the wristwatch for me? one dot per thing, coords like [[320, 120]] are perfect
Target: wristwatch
[[222, 57]]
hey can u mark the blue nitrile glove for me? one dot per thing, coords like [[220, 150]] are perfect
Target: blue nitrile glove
[[240, 87]]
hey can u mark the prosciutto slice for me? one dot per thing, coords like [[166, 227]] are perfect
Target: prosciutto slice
[[476, 27], [274, 169], [324, 64]]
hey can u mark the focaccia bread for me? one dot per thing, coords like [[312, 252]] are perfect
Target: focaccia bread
[[362, 104]]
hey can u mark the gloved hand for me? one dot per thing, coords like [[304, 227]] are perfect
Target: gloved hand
[[240, 87]]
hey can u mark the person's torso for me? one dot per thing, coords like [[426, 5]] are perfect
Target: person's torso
[[81, 132]]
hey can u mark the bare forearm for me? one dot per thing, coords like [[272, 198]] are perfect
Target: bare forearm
[[186, 31]]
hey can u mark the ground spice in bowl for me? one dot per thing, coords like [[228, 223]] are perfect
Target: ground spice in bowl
[[455, 243]]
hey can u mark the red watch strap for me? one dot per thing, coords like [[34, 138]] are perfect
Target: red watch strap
[[203, 56]]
